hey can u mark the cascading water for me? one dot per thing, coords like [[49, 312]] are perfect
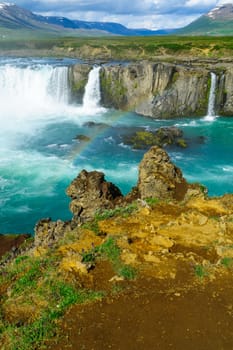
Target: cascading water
[[40, 152], [27, 90], [38, 126], [211, 102], [92, 95]]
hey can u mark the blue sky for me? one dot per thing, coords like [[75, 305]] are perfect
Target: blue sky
[[152, 14]]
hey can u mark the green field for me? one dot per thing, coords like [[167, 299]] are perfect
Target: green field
[[115, 47]]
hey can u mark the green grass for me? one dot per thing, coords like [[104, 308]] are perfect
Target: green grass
[[227, 262], [31, 280], [200, 271], [118, 211], [152, 201], [130, 48], [109, 250], [107, 214]]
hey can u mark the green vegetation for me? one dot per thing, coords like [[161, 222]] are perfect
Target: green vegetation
[[227, 262], [109, 250], [207, 26], [107, 214], [122, 48], [27, 322], [118, 211], [200, 271], [152, 201]]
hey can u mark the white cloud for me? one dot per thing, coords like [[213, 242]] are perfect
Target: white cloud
[[222, 2], [152, 14], [200, 3]]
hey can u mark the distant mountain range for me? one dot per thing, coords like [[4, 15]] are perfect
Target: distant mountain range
[[16, 22], [218, 21], [13, 17]]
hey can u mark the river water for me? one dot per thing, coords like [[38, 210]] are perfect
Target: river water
[[40, 153]]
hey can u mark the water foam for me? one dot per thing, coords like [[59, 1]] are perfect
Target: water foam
[[211, 115]]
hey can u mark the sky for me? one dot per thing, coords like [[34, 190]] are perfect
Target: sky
[[151, 14]]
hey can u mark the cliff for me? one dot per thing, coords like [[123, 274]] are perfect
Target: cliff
[[166, 235], [161, 90]]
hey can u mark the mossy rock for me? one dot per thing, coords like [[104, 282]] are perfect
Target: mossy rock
[[82, 138], [181, 143], [144, 139]]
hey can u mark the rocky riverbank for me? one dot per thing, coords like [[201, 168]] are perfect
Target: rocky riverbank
[[165, 233], [161, 89]]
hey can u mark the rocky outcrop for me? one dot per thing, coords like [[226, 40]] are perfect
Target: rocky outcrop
[[78, 76], [144, 139], [225, 103], [159, 177], [90, 192], [158, 90], [48, 232]]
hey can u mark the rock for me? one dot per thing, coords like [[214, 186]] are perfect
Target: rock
[[144, 139], [90, 192], [78, 77], [158, 90], [159, 177], [82, 138], [91, 124], [11, 243], [47, 232]]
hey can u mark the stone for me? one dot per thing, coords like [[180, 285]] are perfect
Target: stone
[[159, 177], [144, 139], [90, 192], [47, 232], [158, 90]]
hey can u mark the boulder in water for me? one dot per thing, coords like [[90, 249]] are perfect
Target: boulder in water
[[164, 136]]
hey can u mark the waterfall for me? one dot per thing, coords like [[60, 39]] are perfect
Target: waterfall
[[92, 95], [211, 103], [33, 89]]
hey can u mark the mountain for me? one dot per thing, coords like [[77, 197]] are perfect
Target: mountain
[[218, 21], [13, 17]]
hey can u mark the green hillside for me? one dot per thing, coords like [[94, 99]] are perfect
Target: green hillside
[[207, 26]]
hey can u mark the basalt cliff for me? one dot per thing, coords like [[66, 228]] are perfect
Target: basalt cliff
[[160, 89]]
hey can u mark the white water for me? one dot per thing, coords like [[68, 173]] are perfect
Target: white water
[[38, 94], [211, 103], [31, 90], [35, 114], [92, 95]]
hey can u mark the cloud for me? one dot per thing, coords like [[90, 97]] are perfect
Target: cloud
[[135, 14]]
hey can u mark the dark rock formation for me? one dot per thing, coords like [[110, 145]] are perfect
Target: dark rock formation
[[12, 243], [165, 136], [159, 177], [78, 77], [90, 192], [82, 138], [47, 232], [158, 90]]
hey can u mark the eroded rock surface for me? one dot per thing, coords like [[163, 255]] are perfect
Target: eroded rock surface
[[90, 192], [159, 177]]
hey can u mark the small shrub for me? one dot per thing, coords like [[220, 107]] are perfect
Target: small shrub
[[200, 271], [127, 272], [152, 201], [227, 262], [110, 250]]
